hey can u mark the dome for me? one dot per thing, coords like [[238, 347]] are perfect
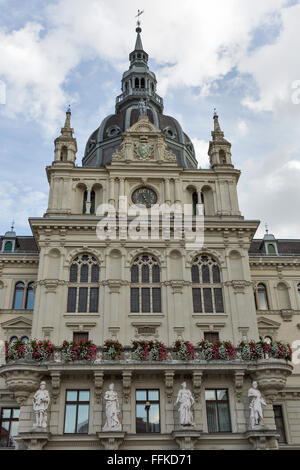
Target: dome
[[137, 83]]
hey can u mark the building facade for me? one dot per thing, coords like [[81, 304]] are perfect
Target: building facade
[[78, 279]]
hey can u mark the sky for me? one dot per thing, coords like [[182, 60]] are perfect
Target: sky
[[240, 57]]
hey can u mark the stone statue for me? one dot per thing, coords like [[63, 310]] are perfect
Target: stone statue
[[142, 107], [41, 401], [186, 400], [112, 410], [256, 413], [98, 358]]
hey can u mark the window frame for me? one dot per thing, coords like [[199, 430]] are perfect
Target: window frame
[[10, 420], [283, 425], [199, 269], [145, 292], [154, 402], [216, 401], [81, 291], [257, 298], [77, 403]]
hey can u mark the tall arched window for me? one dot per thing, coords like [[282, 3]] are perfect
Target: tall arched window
[[19, 296], [145, 285], [207, 287], [92, 209], [29, 296], [261, 297], [84, 202], [83, 291]]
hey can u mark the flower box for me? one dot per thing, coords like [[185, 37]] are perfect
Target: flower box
[[222, 350], [152, 350], [113, 349], [38, 350], [184, 350], [84, 350]]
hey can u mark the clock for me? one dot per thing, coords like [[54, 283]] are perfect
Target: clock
[[144, 196]]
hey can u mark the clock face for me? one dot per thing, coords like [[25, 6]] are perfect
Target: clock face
[[144, 196]]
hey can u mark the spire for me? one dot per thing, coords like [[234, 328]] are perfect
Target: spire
[[138, 42], [219, 147], [65, 144]]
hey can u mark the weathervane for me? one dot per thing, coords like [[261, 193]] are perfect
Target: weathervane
[[267, 229], [138, 17], [13, 226]]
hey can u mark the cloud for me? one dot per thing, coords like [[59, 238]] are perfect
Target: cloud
[[242, 128], [201, 149], [195, 44]]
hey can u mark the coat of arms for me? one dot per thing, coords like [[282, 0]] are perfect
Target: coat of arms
[[144, 150]]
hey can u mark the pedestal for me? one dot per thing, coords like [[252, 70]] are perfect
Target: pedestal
[[111, 440], [262, 438], [186, 438], [34, 440]]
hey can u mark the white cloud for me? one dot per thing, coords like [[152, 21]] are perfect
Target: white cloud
[[196, 43], [201, 149], [242, 128]]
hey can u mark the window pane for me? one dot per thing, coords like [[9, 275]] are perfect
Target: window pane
[[70, 419], [210, 394], [94, 296], [135, 273], [82, 303], [263, 304], [71, 299], [16, 412], [212, 417], [279, 423], [154, 418], [30, 299], [83, 419], [84, 395], [195, 274], [141, 418], [205, 274], [18, 303], [141, 395], [222, 394], [156, 299], [224, 417], [13, 432], [6, 412], [153, 395], [95, 273], [134, 300], [219, 300], [155, 273], [145, 273], [197, 300], [208, 306], [73, 273], [216, 275], [72, 395], [84, 273], [145, 299]]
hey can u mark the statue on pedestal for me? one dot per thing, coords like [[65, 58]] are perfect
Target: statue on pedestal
[[41, 401], [142, 105], [112, 410], [186, 400], [256, 413]]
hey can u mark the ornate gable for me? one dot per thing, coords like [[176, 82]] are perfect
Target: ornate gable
[[17, 327]]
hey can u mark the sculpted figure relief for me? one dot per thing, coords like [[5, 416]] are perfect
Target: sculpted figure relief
[[256, 413], [186, 401], [41, 401], [112, 410]]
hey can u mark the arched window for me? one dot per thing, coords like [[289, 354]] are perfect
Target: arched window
[[13, 339], [19, 296], [271, 249], [142, 83], [222, 157], [298, 290], [207, 288], [261, 298], [25, 339], [29, 297], [145, 295], [195, 202], [84, 202], [8, 246], [83, 291], [137, 83], [92, 209], [64, 154]]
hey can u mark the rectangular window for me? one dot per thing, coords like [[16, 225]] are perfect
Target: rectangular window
[[9, 426], [77, 337], [156, 298], [134, 300], [218, 300], [208, 305], [72, 299], [197, 300], [82, 302], [278, 415], [77, 412], [145, 299], [211, 336], [217, 410], [94, 299], [147, 411]]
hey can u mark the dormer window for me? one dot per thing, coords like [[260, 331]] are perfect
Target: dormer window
[[8, 246]]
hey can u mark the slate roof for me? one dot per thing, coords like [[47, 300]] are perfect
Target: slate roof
[[285, 247], [23, 245]]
